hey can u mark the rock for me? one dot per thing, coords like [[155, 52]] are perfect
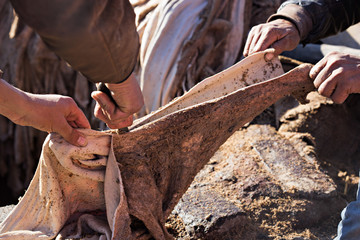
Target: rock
[[335, 128], [285, 164], [206, 213], [266, 201]]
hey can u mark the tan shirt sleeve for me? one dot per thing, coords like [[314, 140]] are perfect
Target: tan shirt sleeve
[[96, 37]]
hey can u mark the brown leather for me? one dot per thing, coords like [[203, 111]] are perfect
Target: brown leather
[[96, 37]]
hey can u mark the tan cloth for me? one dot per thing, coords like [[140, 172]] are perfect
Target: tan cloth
[[70, 188]]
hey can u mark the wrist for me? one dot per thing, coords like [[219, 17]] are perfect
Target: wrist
[[115, 87], [297, 16], [127, 95]]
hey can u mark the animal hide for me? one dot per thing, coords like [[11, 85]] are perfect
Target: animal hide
[[125, 186]]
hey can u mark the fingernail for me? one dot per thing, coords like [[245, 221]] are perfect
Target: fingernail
[[102, 104], [311, 74], [82, 141]]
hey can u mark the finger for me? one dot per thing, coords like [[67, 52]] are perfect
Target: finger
[[264, 42], [328, 86], [247, 44], [253, 43], [99, 113], [71, 135], [105, 103], [121, 124], [78, 119], [340, 94], [119, 120], [73, 124], [281, 46], [316, 69]]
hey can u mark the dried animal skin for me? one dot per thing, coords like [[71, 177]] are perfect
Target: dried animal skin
[[245, 73], [157, 160]]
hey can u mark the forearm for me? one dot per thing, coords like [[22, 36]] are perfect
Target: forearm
[[317, 19], [97, 38], [13, 101]]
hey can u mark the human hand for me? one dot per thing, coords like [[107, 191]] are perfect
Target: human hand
[[279, 34], [337, 75], [128, 98], [53, 113]]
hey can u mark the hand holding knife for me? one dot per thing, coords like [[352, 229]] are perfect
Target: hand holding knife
[[102, 88]]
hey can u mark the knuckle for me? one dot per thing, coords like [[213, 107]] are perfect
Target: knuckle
[[332, 54], [340, 70], [344, 85], [68, 100], [322, 91], [136, 109], [334, 58]]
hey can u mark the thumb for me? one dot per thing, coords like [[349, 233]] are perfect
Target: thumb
[[72, 135], [282, 45], [270, 53], [104, 102]]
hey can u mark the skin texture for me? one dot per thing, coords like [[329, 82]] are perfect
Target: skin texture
[[60, 114], [128, 98], [279, 34], [335, 76], [50, 113]]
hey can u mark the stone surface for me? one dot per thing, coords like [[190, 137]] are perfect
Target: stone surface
[[287, 166], [269, 204], [206, 213]]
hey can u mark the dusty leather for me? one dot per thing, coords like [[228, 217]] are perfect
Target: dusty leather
[[317, 19], [97, 38]]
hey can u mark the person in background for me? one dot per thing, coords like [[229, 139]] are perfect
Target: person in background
[[335, 76], [97, 38]]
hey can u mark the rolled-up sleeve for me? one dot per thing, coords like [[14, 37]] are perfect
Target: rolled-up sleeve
[[96, 37], [317, 19]]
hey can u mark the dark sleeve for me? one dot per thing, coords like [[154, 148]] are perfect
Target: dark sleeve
[[322, 17], [96, 37]]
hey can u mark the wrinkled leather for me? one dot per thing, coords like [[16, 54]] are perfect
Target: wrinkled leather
[[96, 37], [328, 17]]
